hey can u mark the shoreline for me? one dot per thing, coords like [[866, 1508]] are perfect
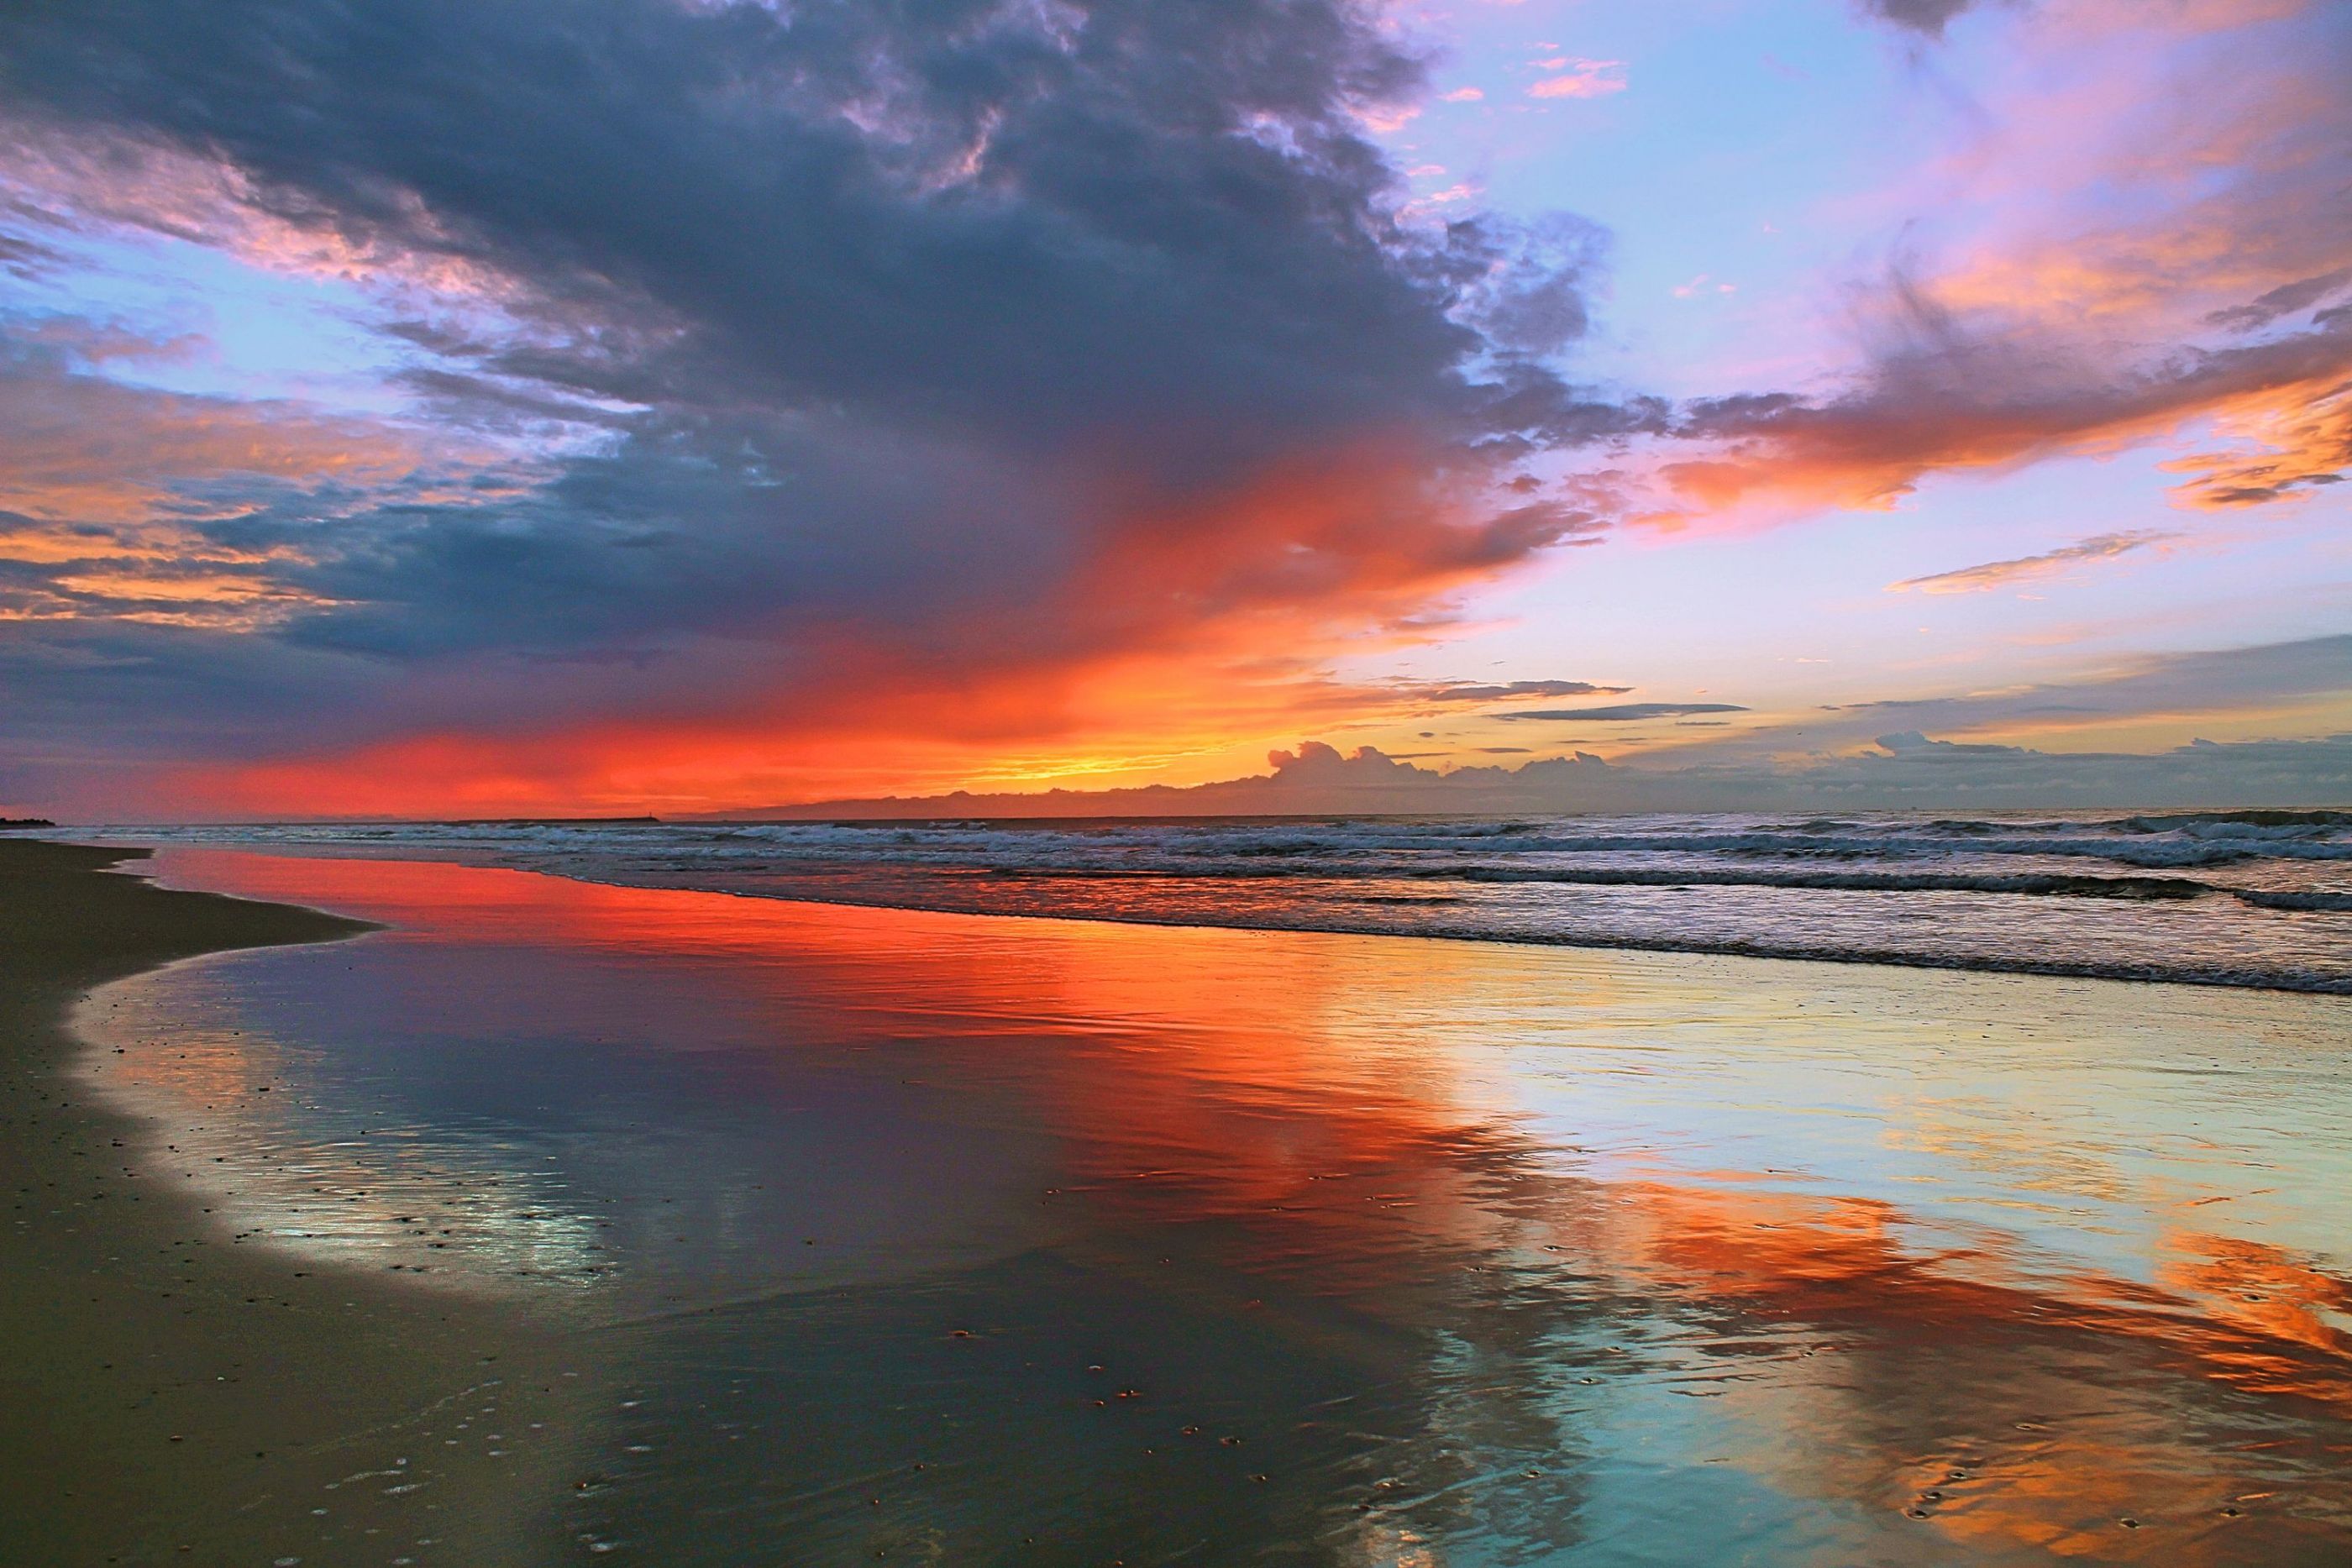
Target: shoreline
[[174, 1396], [1956, 964]]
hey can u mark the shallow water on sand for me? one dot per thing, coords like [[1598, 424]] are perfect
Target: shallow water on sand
[[973, 1239], [2236, 898]]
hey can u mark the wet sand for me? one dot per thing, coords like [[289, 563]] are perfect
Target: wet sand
[[879, 1234], [172, 1396]]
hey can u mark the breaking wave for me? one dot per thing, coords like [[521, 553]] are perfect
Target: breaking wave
[[2248, 898]]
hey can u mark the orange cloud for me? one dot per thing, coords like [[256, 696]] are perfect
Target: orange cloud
[[1196, 634], [2290, 439], [81, 450], [108, 487]]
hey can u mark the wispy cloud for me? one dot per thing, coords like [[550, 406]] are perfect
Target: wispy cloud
[[2285, 684], [2033, 567], [1623, 712], [1578, 77], [1519, 690]]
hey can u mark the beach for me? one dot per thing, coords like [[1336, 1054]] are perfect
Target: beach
[[536, 1218], [2253, 898], [1089, 784], [173, 1395]]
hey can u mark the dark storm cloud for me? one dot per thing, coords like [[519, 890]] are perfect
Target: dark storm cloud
[[875, 324], [1036, 220], [1531, 296], [1925, 16], [689, 526]]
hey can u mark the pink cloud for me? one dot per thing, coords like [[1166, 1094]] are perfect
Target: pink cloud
[[1582, 79], [1996, 574], [2103, 298]]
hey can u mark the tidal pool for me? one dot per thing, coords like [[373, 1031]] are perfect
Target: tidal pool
[[884, 1233]]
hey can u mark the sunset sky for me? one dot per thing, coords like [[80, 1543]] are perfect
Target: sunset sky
[[488, 406]]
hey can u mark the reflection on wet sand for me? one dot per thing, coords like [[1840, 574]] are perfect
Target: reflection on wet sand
[[962, 1238]]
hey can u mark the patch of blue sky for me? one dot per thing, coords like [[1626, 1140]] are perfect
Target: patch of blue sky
[[1801, 614], [1727, 168], [225, 327]]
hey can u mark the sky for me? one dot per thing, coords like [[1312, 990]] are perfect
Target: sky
[[484, 407]]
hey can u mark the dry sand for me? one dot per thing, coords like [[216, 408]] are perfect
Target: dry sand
[[170, 1395]]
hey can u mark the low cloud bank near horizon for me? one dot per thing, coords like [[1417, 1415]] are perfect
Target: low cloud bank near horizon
[[1905, 770]]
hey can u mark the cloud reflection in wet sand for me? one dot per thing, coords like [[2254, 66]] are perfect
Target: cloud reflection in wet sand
[[954, 1236]]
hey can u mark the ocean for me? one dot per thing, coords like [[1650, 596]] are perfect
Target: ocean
[[2231, 898]]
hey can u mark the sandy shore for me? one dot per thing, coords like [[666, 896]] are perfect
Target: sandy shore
[[558, 1218], [172, 1396]]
